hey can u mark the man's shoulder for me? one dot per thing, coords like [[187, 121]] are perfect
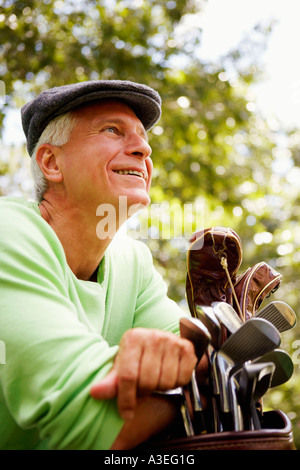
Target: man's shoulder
[[20, 216], [21, 222], [17, 205]]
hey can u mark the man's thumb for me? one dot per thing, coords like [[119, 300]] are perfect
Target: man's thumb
[[107, 388]]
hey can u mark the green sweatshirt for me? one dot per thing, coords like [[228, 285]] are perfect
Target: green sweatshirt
[[61, 334]]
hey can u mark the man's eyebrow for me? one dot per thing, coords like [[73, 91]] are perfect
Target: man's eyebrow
[[141, 130]]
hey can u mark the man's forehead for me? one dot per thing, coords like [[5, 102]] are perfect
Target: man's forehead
[[111, 111]]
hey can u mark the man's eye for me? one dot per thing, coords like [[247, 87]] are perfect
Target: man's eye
[[113, 130]]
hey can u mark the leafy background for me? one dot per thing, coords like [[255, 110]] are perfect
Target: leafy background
[[211, 149]]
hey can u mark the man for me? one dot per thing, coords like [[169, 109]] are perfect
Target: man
[[89, 331]]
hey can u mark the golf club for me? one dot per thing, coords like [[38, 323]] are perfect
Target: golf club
[[253, 381], [186, 417], [208, 318], [227, 316], [206, 315], [196, 332], [284, 366], [279, 314], [184, 410], [254, 338], [193, 330]]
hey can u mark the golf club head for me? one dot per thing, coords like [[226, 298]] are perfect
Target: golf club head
[[252, 340], [206, 315], [196, 332], [263, 380], [254, 381], [279, 314], [284, 366], [227, 316]]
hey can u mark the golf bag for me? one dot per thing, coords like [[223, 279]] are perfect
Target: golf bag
[[213, 260]]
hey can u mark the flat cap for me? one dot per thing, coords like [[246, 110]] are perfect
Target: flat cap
[[39, 112]]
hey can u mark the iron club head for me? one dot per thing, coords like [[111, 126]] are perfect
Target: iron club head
[[226, 315], [254, 338], [254, 381], [279, 314], [284, 366]]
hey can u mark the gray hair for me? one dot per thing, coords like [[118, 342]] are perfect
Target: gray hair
[[56, 133]]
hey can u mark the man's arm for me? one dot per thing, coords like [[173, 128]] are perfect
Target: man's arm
[[53, 353], [153, 414]]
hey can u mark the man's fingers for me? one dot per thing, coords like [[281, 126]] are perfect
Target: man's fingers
[[178, 364], [167, 362], [151, 364]]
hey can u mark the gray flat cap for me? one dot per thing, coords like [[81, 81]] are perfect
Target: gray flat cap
[[38, 113]]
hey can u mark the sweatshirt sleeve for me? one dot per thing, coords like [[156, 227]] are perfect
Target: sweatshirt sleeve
[[52, 358]]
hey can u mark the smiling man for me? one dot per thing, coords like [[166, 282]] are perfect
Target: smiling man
[[89, 331]]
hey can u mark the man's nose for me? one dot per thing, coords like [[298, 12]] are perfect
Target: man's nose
[[138, 147]]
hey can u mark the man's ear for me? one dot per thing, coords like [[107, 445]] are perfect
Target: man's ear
[[48, 161]]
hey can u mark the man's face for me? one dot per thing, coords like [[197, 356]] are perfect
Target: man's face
[[107, 156]]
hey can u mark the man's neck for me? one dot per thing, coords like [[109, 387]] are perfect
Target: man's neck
[[76, 231]]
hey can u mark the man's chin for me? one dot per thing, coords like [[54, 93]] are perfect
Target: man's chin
[[135, 206], [139, 198], [130, 204]]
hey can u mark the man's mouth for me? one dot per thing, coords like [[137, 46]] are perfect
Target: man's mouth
[[130, 172]]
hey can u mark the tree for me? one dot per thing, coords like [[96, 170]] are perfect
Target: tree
[[210, 149]]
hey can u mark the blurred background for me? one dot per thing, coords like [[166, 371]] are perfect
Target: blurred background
[[229, 137]]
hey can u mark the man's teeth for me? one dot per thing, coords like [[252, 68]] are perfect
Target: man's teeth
[[130, 172]]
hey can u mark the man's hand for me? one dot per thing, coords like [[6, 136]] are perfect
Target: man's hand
[[148, 360]]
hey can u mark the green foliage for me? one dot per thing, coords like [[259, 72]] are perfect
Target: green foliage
[[210, 147]]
